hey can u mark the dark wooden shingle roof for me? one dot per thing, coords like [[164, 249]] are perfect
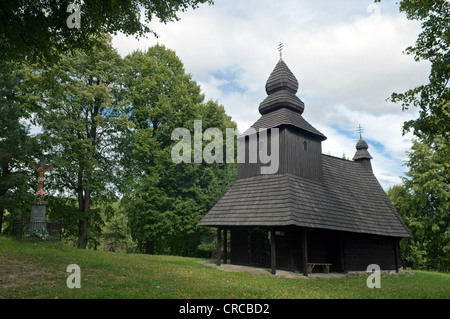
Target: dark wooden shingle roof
[[361, 150], [281, 99], [285, 116], [281, 88], [349, 199], [281, 78]]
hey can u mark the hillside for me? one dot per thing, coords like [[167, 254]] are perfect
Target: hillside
[[38, 270]]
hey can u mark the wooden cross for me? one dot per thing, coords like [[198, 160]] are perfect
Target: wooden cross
[[360, 130], [280, 49], [41, 168]]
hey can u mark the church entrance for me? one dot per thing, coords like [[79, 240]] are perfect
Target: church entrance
[[259, 247]]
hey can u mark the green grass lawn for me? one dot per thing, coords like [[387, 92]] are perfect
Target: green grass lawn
[[38, 270]]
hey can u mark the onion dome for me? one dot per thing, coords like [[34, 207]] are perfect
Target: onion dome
[[362, 155], [281, 79], [361, 151], [281, 88]]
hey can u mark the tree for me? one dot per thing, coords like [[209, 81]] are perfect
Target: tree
[[17, 147], [433, 45], [423, 201], [165, 200], [423, 198], [65, 208], [116, 232], [39, 31], [78, 101]]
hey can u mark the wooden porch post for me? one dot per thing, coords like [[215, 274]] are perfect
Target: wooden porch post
[[396, 255], [273, 252], [225, 248], [219, 244], [341, 254], [304, 254]]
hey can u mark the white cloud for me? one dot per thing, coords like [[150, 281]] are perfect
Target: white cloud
[[347, 56]]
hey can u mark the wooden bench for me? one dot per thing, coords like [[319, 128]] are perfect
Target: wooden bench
[[326, 267]]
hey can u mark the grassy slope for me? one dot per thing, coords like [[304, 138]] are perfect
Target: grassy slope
[[38, 270]]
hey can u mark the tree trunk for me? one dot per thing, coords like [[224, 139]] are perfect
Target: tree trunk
[[82, 232], [84, 202], [4, 175], [149, 247], [84, 209], [1, 218]]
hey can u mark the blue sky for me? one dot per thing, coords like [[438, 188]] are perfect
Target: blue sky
[[347, 56]]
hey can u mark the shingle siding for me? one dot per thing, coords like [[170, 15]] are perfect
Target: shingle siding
[[349, 199], [329, 209]]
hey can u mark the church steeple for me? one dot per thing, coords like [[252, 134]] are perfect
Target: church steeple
[[299, 143], [281, 88], [281, 78], [362, 155]]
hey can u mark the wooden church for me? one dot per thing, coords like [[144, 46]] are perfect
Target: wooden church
[[317, 212]]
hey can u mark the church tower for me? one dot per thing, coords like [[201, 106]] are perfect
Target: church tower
[[362, 155], [299, 143], [311, 209]]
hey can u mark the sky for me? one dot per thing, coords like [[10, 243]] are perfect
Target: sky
[[348, 57]]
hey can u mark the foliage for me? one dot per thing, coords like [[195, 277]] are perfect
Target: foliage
[[116, 233], [77, 103], [433, 45], [16, 145], [165, 200], [106, 124], [65, 209], [423, 201], [41, 233], [37, 30]]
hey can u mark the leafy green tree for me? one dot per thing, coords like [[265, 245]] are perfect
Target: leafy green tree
[[65, 209], [17, 147], [78, 101], [433, 45], [116, 234], [423, 201], [423, 198], [165, 200], [38, 30]]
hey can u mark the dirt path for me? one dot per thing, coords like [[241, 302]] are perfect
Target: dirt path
[[267, 272], [16, 273]]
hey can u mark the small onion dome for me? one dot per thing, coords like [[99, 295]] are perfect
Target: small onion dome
[[361, 151], [281, 88], [281, 99], [281, 79]]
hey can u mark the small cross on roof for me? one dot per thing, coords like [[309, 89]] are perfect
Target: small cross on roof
[[360, 130], [280, 49]]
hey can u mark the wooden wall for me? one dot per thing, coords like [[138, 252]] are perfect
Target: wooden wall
[[346, 251], [239, 250], [300, 154], [362, 250], [324, 247], [288, 248]]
